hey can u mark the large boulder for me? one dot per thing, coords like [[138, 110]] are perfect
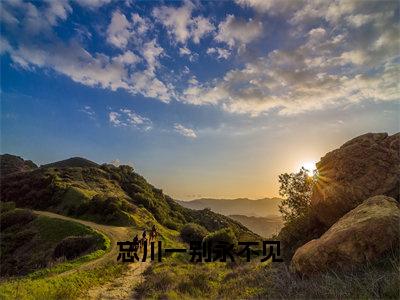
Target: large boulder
[[362, 235], [363, 167]]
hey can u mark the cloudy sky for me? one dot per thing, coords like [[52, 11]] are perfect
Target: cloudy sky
[[211, 98]]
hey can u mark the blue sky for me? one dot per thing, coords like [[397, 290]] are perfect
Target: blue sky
[[205, 99]]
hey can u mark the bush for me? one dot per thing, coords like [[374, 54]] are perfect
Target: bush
[[225, 235], [6, 206], [193, 232], [16, 216], [299, 231], [74, 246]]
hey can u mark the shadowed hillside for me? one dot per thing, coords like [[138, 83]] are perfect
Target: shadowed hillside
[[10, 164], [30, 242], [71, 163]]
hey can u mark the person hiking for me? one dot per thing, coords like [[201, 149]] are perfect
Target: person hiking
[[153, 233], [136, 242]]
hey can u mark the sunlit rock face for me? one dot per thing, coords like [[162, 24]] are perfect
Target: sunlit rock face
[[363, 235], [365, 166]]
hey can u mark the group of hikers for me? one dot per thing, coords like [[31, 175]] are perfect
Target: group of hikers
[[138, 243]]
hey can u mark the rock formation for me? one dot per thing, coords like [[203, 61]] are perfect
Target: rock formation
[[363, 167], [362, 235]]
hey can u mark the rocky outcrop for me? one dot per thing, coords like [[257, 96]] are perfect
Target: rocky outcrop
[[363, 167], [362, 235]]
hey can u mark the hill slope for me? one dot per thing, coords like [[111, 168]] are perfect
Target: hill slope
[[10, 164], [106, 194], [71, 163], [30, 241], [242, 206]]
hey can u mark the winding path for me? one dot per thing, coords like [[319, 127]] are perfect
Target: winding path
[[123, 286]]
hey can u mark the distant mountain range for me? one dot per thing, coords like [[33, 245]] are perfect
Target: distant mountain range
[[265, 227], [266, 207], [261, 216]]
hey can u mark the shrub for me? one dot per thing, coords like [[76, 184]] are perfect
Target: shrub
[[74, 246], [299, 231], [16, 216], [6, 206], [193, 232], [225, 235], [171, 225]]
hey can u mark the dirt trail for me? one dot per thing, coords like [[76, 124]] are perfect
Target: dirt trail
[[123, 286]]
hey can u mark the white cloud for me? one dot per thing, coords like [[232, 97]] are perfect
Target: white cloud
[[184, 51], [128, 118], [186, 70], [200, 26], [35, 20], [127, 58], [151, 52], [113, 117], [328, 69], [219, 52], [141, 24], [88, 111], [118, 32], [349, 57], [71, 59], [4, 45], [356, 57], [271, 6], [187, 132], [92, 4], [179, 23], [234, 31], [122, 31]]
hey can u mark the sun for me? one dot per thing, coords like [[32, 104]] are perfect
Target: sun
[[309, 165]]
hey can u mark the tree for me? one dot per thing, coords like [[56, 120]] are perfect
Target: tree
[[193, 232], [296, 188]]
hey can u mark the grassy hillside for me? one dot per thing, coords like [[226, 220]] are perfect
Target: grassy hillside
[[10, 164], [30, 242], [177, 279], [105, 194]]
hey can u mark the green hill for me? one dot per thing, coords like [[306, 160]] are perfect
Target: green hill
[[71, 163], [105, 194], [30, 242], [10, 164]]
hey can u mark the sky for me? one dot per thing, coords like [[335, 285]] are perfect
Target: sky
[[204, 99]]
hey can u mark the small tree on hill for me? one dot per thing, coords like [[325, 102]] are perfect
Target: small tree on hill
[[296, 188]]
